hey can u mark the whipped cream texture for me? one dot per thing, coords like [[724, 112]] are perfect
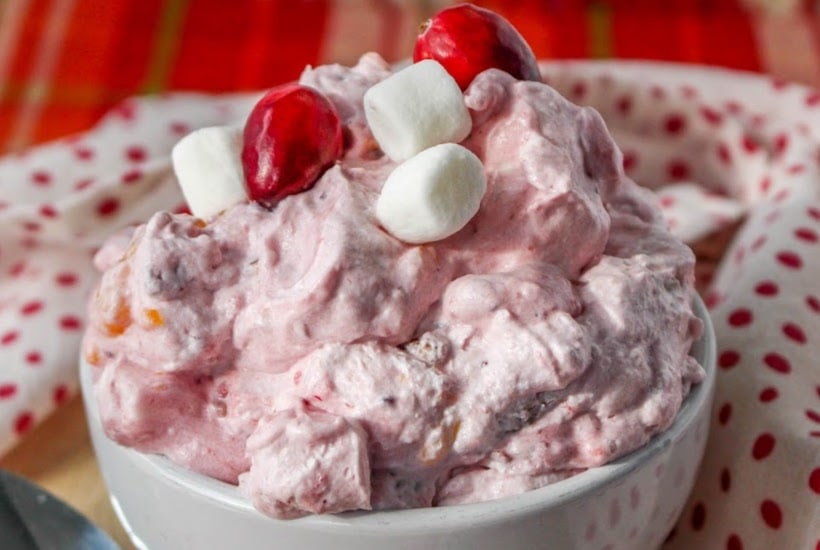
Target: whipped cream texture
[[307, 355]]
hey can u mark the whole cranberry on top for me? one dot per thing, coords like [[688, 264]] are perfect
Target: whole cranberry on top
[[467, 40], [292, 135]]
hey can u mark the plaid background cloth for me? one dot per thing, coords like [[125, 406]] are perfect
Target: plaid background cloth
[[63, 63]]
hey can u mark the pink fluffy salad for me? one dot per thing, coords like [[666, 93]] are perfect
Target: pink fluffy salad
[[301, 351]]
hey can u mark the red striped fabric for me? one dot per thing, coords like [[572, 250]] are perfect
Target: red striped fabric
[[65, 62]]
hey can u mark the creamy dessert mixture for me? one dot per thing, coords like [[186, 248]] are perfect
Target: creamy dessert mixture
[[308, 351]]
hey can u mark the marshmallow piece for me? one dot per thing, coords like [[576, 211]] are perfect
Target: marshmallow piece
[[208, 165], [432, 195], [416, 108]]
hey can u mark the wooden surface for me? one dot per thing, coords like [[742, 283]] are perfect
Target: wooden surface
[[58, 456]]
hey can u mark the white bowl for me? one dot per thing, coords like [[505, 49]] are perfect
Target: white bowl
[[631, 503]]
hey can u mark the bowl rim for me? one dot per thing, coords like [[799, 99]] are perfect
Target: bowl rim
[[445, 518]]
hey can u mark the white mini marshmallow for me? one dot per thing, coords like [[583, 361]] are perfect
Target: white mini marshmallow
[[432, 195], [416, 108], [208, 165]]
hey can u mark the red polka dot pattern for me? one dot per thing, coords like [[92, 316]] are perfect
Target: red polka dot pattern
[[178, 128], [630, 159], [66, 279], [678, 170], [781, 195], [734, 542], [712, 299], [728, 359], [48, 211], [814, 480], [724, 154], [777, 363], [711, 116], [771, 514], [674, 124], [23, 422], [733, 107], [698, 516], [60, 394], [689, 92], [750, 145], [83, 153], [794, 333], [767, 288], [83, 184], [740, 317], [725, 480], [131, 177], [624, 105], [762, 297], [58, 202], [41, 178], [763, 446], [768, 394], [725, 413], [30, 308], [108, 207], [781, 143], [806, 234], [790, 259], [136, 153], [70, 323]]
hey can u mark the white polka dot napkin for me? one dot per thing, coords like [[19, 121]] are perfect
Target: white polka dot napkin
[[58, 203], [721, 148]]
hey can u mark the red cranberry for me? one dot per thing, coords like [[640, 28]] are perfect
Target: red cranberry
[[467, 40], [291, 137]]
